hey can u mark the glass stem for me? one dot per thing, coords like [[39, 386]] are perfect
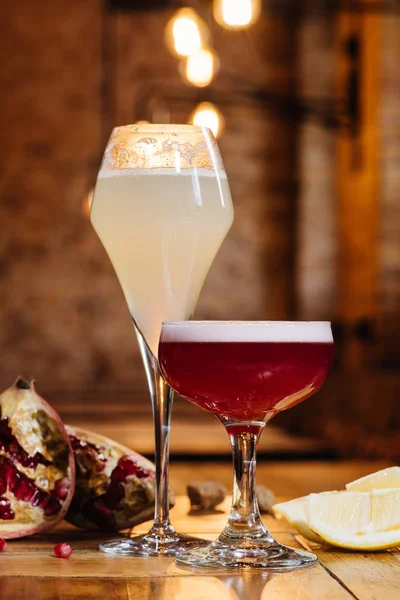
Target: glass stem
[[161, 400], [244, 518]]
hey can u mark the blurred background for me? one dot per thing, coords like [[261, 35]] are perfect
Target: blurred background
[[304, 98]]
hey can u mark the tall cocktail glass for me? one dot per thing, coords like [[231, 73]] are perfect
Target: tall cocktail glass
[[161, 208], [244, 373]]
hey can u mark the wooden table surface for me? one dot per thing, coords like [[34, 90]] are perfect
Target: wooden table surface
[[28, 568]]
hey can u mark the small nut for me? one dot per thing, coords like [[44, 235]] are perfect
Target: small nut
[[205, 495], [266, 499]]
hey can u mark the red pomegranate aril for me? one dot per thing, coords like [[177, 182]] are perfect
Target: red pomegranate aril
[[43, 501], [8, 515], [4, 505], [3, 545], [114, 495], [52, 508], [40, 499], [61, 488], [118, 474], [24, 490], [6, 471], [140, 473], [15, 481], [127, 466], [63, 550]]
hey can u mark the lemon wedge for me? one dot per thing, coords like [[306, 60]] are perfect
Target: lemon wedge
[[384, 479], [354, 520], [297, 513], [357, 520]]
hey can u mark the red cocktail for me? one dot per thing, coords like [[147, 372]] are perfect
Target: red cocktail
[[244, 373], [245, 381]]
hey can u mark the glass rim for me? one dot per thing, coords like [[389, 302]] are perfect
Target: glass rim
[[161, 128], [243, 323]]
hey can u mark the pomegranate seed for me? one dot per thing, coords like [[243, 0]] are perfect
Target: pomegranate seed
[[24, 490], [114, 494], [52, 508], [3, 545], [8, 515], [127, 465], [61, 488], [118, 474], [4, 505], [15, 481], [40, 499], [6, 471], [140, 473], [63, 550]]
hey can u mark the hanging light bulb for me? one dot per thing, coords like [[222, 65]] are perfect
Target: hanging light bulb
[[236, 14], [200, 68], [208, 115], [186, 33]]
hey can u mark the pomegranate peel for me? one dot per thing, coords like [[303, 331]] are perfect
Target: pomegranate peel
[[115, 486], [37, 469]]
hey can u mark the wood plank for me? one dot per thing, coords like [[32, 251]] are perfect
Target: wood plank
[[369, 576], [28, 570], [309, 584]]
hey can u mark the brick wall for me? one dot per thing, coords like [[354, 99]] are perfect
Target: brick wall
[[70, 73]]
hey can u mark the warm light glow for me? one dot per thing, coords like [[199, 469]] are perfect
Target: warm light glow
[[142, 122], [186, 33], [237, 14], [200, 68], [207, 114]]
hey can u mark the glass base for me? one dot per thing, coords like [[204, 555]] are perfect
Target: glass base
[[245, 554], [153, 543]]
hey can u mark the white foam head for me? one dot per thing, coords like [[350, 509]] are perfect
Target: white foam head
[[247, 331], [193, 172]]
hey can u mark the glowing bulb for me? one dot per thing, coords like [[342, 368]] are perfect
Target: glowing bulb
[[207, 114], [200, 68], [186, 32], [237, 14]]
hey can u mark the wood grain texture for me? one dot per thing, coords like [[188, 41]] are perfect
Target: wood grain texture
[[368, 575], [29, 570]]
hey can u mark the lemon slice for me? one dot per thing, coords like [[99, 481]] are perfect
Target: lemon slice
[[387, 478], [297, 513], [357, 520]]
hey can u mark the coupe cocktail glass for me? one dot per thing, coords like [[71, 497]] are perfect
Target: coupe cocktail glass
[[244, 373], [161, 208]]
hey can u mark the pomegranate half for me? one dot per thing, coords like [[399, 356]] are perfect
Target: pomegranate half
[[37, 469], [115, 486]]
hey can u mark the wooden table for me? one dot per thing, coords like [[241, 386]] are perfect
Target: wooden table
[[28, 568]]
